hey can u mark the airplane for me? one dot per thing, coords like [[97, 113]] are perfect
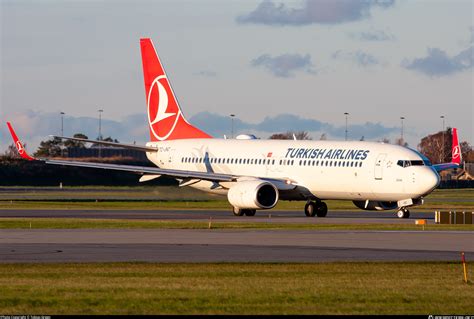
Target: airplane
[[255, 174]]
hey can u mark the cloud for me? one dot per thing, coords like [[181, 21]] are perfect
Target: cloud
[[312, 11], [285, 65], [34, 127], [373, 35], [358, 57], [219, 125], [206, 73], [437, 63]]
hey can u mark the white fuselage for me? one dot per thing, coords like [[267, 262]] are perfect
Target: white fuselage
[[328, 169]]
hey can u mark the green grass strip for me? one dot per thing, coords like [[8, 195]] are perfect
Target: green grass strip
[[236, 288], [83, 223]]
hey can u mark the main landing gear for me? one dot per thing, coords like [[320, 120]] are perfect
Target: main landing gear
[[242, 212], [403, 213], [318, 208]]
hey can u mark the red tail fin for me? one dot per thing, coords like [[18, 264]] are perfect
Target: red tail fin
[[165, 119], [19, 146], [456, 149]]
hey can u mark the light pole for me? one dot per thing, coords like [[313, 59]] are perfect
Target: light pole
[[442, 145], [232, 129], [401, 136], [62, 132], [100, 130], [346, 114]]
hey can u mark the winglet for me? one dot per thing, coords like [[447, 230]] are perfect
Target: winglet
[[19, 146], [456, 156]]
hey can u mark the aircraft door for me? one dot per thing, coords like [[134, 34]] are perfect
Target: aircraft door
[[378, 170]]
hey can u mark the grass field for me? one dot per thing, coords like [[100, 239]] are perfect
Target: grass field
[[328, 288], [150, 198], [83, 223]]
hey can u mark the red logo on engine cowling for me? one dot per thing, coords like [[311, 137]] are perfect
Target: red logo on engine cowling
[[163, 110]]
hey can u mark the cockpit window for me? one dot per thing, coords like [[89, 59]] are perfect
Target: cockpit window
[[403, 163], [407, 163]]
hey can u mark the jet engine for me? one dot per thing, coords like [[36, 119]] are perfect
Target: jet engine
[[253, 194], [375, 205]]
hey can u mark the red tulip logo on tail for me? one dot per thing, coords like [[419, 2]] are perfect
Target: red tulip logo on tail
[[163, 113]]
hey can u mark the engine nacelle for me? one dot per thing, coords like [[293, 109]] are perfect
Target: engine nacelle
[[253, 194], [375, 205]]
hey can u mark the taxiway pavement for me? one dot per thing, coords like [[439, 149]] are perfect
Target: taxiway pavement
[[188, 245]]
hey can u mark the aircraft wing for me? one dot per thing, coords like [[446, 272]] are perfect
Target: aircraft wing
[[186, 176], [146, 170]]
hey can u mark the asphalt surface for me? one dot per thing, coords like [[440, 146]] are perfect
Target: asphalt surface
[[186, 245]]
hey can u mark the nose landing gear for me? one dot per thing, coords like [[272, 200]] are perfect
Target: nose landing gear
[[318, 208], [403, 213]]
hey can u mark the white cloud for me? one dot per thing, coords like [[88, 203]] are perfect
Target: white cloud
[[285, 65], [437, 63], [312, 11], [360, 58]]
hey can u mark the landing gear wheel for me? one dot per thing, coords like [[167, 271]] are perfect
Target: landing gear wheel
[[310, 209], [249, 212], [238, 211], [322, 210], [403, 213]]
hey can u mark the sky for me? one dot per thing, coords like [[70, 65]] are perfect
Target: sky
[[276, 65]]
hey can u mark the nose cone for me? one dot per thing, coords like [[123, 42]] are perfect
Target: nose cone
[[430, 180]]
